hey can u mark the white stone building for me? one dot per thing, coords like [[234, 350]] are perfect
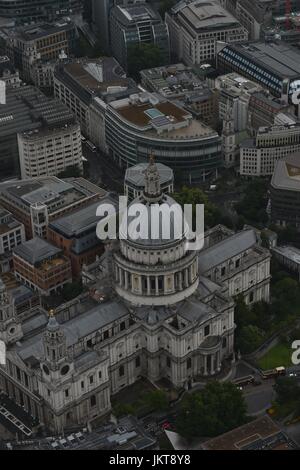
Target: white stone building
[[195, 26], [258, 156], [148, 313], [48, 152]]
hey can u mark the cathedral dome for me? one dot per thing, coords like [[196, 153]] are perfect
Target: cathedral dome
[[154, 219], [154, 265]]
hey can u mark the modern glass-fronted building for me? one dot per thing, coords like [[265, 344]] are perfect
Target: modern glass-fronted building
[[276, 66], [139, 126]]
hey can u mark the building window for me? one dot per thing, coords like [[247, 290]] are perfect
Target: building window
[[189, 363], [82, 384], [122, 326], [67, 393], [93, 400], [168, 362], [224, 342], [91, 379], [100, 374], [251, 297], [206, 330], [223, 270], [137, 361], [121, 371]]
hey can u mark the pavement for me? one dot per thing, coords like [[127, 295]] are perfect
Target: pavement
[[293, 430], [103, 171]]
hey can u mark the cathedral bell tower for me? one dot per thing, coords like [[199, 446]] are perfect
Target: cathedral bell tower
[[57, 362], [10, 326]]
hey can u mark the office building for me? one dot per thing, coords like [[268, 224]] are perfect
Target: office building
[[33, 48], [12, 234], [8, 73], [134, 24], [264, 109], [41, 266], [235, 93], [38, 201], [27, 109], [195, 27], [86, 86], [75, 234], [183, 84], [26, 11], [275, 66], [258, 156], [285, 192], [146, 123], [50, 151]]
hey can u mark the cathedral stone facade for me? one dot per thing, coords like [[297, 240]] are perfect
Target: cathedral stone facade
[[148, 311]]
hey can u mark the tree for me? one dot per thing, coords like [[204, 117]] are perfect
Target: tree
[[156, 400], [216, 409], [71, 290], [123, 409], [253, 205], [287, 390], [164, 6], [143, 56], [249, 338], [196, 196]]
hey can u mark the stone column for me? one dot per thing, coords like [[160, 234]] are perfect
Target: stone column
[[180, 280], [212, 361], [219, 360], [156, 285], [120, 277], [205, 365], [126, 279], [148, 285]]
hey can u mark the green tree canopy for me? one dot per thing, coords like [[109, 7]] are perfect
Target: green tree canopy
[[71, 290], [218, 408], [143, 56], [253, 205], [197, 196], [287, 390], [165, 5], [156, 400]]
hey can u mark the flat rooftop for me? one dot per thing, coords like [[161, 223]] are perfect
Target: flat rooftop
[[163, 118], [280, 58], [79, 221], [36, 250], [260, 434], [51, 191], [286, 175], [95, 74], [40, 30], [204, 14], [129, 14], [289, 252]]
